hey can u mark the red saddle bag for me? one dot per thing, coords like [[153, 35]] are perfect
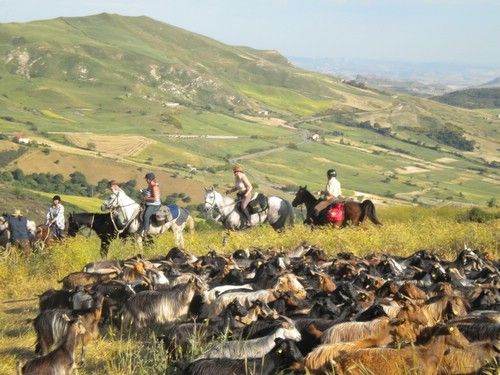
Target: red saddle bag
[[335, 213]]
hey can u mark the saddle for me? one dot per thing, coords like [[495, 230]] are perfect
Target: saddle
[[258, 204], [166, 213]]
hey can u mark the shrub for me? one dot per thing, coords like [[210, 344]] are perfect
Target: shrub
[[477, 215]]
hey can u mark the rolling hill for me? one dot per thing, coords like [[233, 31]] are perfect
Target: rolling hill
[[472, 98], [114, 96]]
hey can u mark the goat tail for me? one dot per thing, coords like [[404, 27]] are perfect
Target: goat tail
[[368, 209], [190, 224]]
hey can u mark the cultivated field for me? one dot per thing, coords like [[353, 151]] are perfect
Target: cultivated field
[[119, 145]]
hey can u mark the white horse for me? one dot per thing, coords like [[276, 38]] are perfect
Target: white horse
[[127, 217], [278, 212]]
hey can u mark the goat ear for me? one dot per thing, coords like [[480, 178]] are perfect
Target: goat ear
[[396, 322]]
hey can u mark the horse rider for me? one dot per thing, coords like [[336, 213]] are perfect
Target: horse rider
[[55, 217], [19, 234], [243, 189], [151, 200], [331, 194]]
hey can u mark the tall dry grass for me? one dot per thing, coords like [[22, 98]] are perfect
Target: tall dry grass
[[405, 231]]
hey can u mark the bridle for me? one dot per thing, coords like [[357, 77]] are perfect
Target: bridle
[[213, 206]]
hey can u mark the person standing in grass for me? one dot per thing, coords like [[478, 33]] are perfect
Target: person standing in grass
[[151, 199], [19, 234], [332, 192], [55, 217]]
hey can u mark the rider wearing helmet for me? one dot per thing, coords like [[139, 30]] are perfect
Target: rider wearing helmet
[[243, 189], [151, 199], [332, 192], [55, 217]]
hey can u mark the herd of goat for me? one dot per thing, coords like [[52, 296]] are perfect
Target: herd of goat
[[296, 311]]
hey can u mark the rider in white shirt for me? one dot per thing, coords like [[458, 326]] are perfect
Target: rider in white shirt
[[55, 217], [332, 192]]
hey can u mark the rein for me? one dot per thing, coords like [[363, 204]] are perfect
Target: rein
[[120, 231], [222, 217], [91, 225]]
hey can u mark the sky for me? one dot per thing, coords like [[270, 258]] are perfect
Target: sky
[[449, 31]]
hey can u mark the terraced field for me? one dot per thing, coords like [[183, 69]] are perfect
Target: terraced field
[[119, 145]]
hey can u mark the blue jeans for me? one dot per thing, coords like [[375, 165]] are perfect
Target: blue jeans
[[150, 210]]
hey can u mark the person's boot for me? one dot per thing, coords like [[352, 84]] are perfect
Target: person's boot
[[246, 222]]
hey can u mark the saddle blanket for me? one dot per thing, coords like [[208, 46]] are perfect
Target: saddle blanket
[[335, 213], [258, 203]]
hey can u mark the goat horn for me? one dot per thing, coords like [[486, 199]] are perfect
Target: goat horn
[[287, 319]]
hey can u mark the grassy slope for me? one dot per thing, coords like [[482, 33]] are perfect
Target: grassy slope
[[110, 74], [472, 98]]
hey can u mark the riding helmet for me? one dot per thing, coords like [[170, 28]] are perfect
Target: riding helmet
[[56, 197], [150, 176], [331, 173]]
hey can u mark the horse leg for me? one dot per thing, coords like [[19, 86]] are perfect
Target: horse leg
[[139, 241], [105, 242], [179, 237], [353, 214]]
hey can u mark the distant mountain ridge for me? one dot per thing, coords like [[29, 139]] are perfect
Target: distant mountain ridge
[[493, 83]]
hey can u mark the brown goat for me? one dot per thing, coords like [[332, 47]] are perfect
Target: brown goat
[[422, 359], [75, 279], [321, 358], [413, 292], [62, 359], [51, 327], [382, 327], [326, 283], [469, 361], [437, 309], [90, 321]]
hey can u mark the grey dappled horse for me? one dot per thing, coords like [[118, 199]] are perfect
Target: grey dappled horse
[[278, 213]]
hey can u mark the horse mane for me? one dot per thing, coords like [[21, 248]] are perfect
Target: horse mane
[[308, 193]]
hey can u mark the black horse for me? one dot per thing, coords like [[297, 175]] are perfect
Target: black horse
[[353, 211], [101, 223]]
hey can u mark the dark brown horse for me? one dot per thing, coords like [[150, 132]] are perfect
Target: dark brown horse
[[354, 212]]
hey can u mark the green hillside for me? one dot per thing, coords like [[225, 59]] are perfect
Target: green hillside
[[472, 98], [113, 96]]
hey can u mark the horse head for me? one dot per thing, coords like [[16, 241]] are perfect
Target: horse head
[[112, 202], [73, 225], [212, 198], [300, 196]]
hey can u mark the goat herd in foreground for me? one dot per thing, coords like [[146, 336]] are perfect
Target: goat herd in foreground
[[296, 311]]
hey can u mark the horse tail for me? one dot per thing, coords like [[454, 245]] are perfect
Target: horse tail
[[285, 215], [368, 209], [190, 224]]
